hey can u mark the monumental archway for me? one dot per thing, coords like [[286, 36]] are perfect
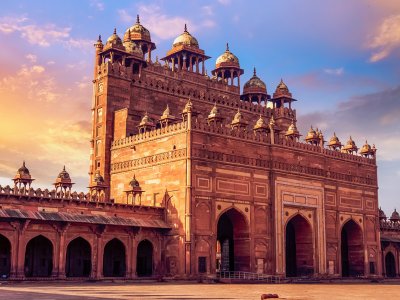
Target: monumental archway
[[352, 249]]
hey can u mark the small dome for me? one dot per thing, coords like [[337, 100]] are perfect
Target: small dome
[[292, 130], [227, 58], [188, 105], [334, 142], [382, 214], [23, 170], [114, 40], [260, 123], [395, 217], [282, 90], [134, 183], [63, 174], [186, 39], [255, 82], [98, 178], [312, 134], [367, 150], [137, 32]]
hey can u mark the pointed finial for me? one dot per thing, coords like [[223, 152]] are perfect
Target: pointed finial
[[334, 134], [254, 71], [137, 19], [227, 47], [23, 163], [185, 30], [99, 40], [115, 31], [64, 168]]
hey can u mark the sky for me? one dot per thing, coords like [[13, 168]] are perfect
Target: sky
[[340, 59]]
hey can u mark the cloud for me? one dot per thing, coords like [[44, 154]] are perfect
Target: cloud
[[97, 4], [373, 117], [386, 39], [161, 25], [207, 10], [337, 72], [224, 2], [41, 35], [37, 85], [31, 57]]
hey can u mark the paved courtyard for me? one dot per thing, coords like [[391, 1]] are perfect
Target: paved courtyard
[[150, 291]]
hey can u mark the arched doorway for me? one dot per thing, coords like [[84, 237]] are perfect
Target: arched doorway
[[352, 250], [78, 262], [144, 260], [390, 265], [5, 257], [39, 257], [114, 264], [233, 245], [299, 248]]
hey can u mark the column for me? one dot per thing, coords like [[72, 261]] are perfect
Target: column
[[149, 55], [231, 77], [179, 62], [184, 64], [191, 63], [197, 64], [202, 67], [173, 64], [62, 253]]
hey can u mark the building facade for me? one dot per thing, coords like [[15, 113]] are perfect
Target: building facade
[[190, 176]]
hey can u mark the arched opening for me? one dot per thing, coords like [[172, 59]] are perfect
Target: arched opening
[[233, 245], [352, 250], [114, 264], [78, 262], [299, 249], [5, 257], [390, 265], [39, 257], [144, 261]]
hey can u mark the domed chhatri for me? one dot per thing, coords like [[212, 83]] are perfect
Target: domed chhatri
[[227, 67], [292, 132], [367, 150], [395, 217], [23, 171], [186, 54], [312, 136], [186, 39], [255, 90], [282, 96], [23, 177], [63, 181], [238, 121], [382, 215], [134, 183], [350, 147], [146, 124], [334, 142], [139, 35]]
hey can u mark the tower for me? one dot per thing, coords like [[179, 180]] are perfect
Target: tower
[[282, 104], [116, 64]]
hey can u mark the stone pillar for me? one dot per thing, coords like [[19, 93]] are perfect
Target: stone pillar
[[149, 55], [202, 67], [197, 64], [191, 63], [231, 77], [97, 257]]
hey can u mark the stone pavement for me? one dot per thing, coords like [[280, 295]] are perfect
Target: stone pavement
[[150, 291]]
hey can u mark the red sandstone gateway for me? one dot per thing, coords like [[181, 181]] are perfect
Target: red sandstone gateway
[[190, 178]]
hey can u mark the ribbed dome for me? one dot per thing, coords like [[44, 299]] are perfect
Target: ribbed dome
[[23, 170], [186, 39], [114, 40], [282, 88], [63, 174], [137, 32], [134, 183], [254, 81], [227, 58]]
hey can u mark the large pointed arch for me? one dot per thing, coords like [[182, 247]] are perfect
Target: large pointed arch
[[299, 247], [233, 243], [114, 259], [352, 249], [38, 257], [78, 262], [5, 257]]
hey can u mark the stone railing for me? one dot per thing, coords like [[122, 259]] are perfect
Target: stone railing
[[389, 225], [149, 135]]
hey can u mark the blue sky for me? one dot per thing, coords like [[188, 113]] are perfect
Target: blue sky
[[340, 59]]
